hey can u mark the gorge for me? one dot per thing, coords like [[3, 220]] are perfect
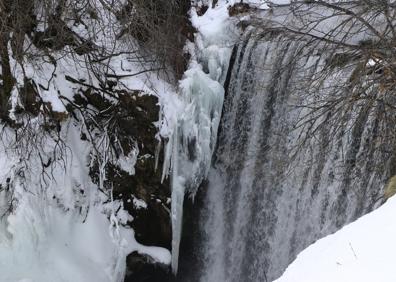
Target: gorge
[[197, 141]]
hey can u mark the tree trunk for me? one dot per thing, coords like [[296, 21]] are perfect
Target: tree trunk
[[7, 78]]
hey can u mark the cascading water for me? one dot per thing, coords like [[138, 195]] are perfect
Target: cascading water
[[270, 195]]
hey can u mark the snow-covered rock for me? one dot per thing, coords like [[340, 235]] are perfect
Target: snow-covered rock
[[363, 251]]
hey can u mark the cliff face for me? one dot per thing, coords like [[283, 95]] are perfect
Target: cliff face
[[84, 109], [143, 193]]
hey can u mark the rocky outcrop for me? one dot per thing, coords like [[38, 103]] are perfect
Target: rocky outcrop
[[137, 184], [143, 269]]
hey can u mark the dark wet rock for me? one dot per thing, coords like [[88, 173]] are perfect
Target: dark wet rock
[[142, 268], [239, 8], [133, 129]]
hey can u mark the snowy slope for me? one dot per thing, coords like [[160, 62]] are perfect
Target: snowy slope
[[363, 251], [54, 224]]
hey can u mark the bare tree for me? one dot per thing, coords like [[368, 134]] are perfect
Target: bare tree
[[357, 40], [98, 37]]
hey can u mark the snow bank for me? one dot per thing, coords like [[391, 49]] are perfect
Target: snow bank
[[363, 251], [55, 229], [54, 224]]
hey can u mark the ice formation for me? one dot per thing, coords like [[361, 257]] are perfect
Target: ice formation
[[189, 149]]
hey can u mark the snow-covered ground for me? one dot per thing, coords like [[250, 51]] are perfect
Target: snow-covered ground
[[54, 224], [363, 251]]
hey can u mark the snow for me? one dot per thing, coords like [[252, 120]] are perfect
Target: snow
[[60, 247], [46, 237], [139, 204], [261, 4], [54, 232], [59, 228], [363, 251], [127, 163]]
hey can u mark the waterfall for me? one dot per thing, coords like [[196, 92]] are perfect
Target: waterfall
[[277, 185]]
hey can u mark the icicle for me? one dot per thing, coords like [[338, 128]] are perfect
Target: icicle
[[178, 190]]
